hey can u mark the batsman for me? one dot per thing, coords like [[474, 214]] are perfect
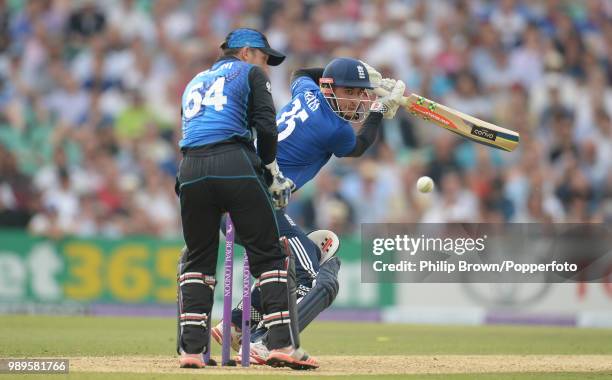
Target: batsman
[[318, 123]]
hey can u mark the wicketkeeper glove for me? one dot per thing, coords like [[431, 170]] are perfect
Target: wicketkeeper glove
[[280, 187], [375, 77], [388, 104]]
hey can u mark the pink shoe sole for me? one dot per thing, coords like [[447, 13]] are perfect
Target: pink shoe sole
[[191, 362]]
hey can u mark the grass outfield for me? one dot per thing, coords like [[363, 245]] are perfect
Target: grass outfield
[[81, 337], [37, 336]]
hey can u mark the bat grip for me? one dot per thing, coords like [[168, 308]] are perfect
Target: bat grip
[[381, 92]]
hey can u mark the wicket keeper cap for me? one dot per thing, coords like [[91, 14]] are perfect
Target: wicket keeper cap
[[346, 72], [246, 37]]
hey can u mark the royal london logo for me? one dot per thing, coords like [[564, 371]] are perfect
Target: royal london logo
[[484, 133]]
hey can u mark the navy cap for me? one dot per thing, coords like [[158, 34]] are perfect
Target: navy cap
[[346, 72], [245, 37]]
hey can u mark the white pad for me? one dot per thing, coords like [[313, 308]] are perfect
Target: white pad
[[327, 241]]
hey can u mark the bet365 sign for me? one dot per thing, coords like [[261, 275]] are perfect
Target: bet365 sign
[[36, 270], [135, 270]]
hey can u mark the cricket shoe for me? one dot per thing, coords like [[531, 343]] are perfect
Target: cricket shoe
[[327, 241], [296, 359], [258, 354], [217, 333], [191, 360]]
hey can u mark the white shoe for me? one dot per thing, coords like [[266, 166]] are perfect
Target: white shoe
[[327, 241], [258, 354], [293, 358], [217, 333]]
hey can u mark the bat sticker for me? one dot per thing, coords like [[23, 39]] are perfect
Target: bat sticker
[[484, 133]]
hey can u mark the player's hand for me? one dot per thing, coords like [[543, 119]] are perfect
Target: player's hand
[[280, 187], [388, 104], [375, 77]]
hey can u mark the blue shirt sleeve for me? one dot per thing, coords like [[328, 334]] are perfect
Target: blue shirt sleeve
[[302, 84], [342, 141]]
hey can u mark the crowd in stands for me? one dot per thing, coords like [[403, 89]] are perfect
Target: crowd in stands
[[90, 108]]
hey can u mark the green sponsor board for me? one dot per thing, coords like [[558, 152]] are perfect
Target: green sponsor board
[[136, 270]]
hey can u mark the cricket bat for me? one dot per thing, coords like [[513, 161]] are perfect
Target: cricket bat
[[455, 121]]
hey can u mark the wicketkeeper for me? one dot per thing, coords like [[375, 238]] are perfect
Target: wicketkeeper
[[221, 172]]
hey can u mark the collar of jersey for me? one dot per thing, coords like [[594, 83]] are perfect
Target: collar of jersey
[[228, 58]]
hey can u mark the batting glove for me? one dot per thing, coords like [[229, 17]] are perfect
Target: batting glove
[[375, 77], [280, 187], [389, 103]]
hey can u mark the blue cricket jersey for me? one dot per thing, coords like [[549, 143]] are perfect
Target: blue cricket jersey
[[214, 104], [309, 132]]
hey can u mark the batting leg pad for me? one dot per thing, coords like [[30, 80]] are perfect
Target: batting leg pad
[[195, 299], [319, 298], [322, 294]]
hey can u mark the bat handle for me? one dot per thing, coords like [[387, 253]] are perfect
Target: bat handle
[[381, 92]]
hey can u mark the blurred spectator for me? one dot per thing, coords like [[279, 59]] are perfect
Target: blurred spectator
[[372, 184], [4, 26], [444, 159], [69, 103], [46, 223], [574, 190], [536, 211], [500, 74], [64, 201], [132, 122], [454, 203], [328, 208], [562, 142], [176, 22], [508, 21], [89, 218], [526, 60], [85, 21], [415, 202], [467, 96], [158, 201], [48, 176], [16, 194], [497, 207], [595, 94], [132, 21]]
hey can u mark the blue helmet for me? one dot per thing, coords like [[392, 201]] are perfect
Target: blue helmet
[[348, 73]]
